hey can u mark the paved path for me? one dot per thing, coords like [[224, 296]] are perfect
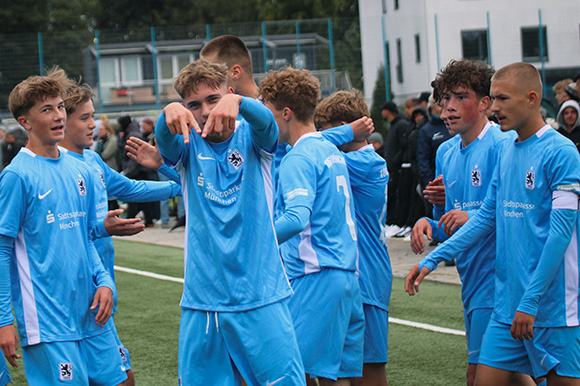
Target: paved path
[[402, 257]]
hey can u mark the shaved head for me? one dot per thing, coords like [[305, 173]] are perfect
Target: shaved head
[[524, 76]]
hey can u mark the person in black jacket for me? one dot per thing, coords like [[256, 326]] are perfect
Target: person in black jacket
[[132, 169], [394, 147], [430, 136]]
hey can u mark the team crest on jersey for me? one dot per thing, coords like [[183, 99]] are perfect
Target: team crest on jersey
[[102, 178], [476, 177], [65, 371], [82, 186], [530, 179], [236, 159]]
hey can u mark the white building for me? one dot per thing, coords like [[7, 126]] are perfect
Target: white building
[[418, 37]]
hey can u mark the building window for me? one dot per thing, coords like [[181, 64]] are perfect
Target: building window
[[399, 67], [417, 49], [531, 44], [384, 4], [396, 4], [168, 66], [474, 45]]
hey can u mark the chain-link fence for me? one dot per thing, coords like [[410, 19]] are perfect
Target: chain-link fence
[[133, 70]]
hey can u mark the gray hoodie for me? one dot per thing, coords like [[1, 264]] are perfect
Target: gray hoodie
[[560, 117]]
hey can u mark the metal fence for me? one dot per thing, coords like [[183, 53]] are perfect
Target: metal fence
[[133, 70]]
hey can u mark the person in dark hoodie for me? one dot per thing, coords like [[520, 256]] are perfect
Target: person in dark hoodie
[[569, 121], [394, 146], [430, 136], [132, 169]]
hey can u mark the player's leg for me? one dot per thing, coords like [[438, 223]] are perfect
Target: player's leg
[[102, 359], [203, 358], [557, 380], [376, 340], [500, 357], [124, 354], [262, 345], [476, 322]]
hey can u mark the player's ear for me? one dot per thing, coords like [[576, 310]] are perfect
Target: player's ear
[[231, 90], [24, 122], [236, 71], [287, 113], [533, 97], [484, 103]]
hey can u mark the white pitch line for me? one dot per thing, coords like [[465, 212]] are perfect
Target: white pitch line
[[423, 326], [149, 274], [426, 326]]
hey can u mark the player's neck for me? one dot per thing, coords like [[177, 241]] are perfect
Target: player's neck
[[471, 135], [43, 149], [248, 89], [70, 146], [353, 146], [530, 126], [298, 129]]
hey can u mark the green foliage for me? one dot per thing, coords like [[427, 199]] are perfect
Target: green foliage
[[379, 99]]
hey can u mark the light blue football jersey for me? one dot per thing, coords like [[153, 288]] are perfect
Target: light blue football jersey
[[439, 210], [110, 184], [231, 254], [467, 173], [519, 205], [314, 175], [369, 180], [55, 268]]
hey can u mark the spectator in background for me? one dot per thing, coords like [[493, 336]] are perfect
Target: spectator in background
[[148, 130], [560, 91], [376, 139], [10, 147], [132, 169], [573, 89], [422, 100], [395, 143], [412, 207], [569, 121], [430, 136], [409, 105], [108, 144]]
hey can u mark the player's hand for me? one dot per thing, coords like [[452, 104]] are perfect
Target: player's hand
[[422, 227], [104, 300], [523, 326], [180, 120], [222, 117], [117, 226], [144, 153], [362, 128], [9, 343], [435, 191], [453, 220], [415, 278]]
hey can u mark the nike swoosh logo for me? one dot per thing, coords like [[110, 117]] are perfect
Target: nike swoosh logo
[[276, 381], [41, 196], [451, 184], [204, 158]]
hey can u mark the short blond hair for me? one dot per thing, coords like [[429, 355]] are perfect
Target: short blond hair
[[561, 85], [523, 75], [296, 89], [34, 89], [200, 72], [342, 106]]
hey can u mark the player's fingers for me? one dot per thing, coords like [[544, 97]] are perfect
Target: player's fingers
[[132, 229], [208, 126], [115, 212]]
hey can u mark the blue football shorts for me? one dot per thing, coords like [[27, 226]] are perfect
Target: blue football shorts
[[91, 361], [476, 322], [555, 348], [328, 317], [258, 345], [376, 340]]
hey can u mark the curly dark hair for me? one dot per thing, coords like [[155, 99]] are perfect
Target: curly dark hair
[[467, 73]]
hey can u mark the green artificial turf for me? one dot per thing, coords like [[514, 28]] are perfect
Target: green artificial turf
[[148, 324]]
